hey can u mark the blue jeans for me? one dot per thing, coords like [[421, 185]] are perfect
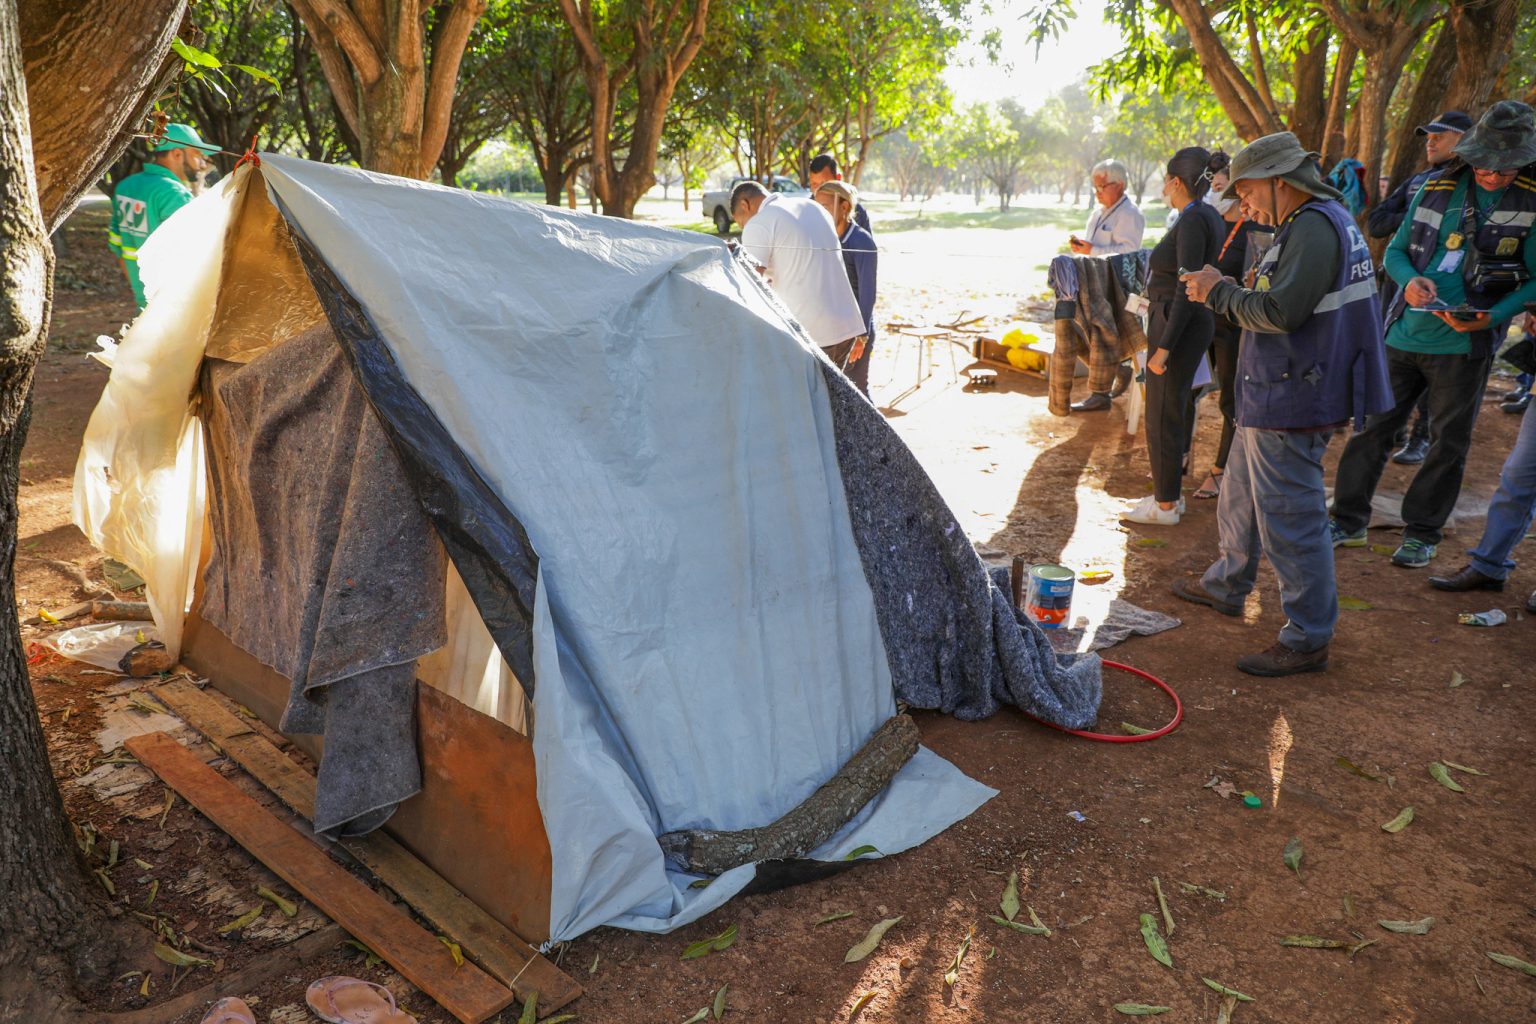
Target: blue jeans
[[1509, 514], [1272, 503]]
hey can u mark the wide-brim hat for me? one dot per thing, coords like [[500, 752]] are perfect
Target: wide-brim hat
[[180, 136], [1282, 156], [1503, 139]]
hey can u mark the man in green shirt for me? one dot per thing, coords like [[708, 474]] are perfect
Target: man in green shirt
[[1465, 243], [142, 202]]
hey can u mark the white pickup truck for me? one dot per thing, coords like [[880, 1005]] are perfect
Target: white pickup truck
[[717, 205]]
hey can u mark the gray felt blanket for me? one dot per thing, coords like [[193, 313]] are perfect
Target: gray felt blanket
[[954, 640], [323, 566]]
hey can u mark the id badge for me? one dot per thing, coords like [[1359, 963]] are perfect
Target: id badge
[[1452, 262], [1507, 247], [1453, 240], [1137, 304]]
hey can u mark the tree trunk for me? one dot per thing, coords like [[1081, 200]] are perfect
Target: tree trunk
[[1309, 111], [1332, 146], [1382, 71], [51, 940], [1405, 153], [1485, 39]]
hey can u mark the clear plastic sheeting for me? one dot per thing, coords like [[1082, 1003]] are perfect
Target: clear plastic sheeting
[[102, 644], [139, 481], [470, 668]]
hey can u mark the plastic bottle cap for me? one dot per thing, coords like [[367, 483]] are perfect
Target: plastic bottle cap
[[1252, 801]]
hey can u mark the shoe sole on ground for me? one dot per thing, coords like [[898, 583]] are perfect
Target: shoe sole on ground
[[1321, 666], [1353, 542], [1497, 586], [1180, 589]]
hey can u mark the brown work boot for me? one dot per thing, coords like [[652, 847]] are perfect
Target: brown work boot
[[1281, 660], [1194, 591]]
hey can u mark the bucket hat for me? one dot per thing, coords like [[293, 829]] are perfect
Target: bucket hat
[[1504, 138], [178, 136], [1282, 156]]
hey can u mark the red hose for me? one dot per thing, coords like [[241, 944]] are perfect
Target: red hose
[[1178, 713]]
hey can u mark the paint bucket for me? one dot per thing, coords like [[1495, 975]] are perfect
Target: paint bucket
[[1048, 598]]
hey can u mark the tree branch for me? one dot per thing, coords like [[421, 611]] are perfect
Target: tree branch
[[347, 33], [337, 70], [1347, 25], [1256, 57], [447, 54], [578, 18]]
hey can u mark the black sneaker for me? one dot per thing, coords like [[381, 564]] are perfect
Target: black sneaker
[[1412, 453], [1280, 660]]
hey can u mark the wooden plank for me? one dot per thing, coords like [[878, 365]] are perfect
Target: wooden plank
[[465, 991], [486, 941]]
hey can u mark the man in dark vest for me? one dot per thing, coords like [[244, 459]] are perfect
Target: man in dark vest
[[1440, 138], [1310, 361], [1466, 267]]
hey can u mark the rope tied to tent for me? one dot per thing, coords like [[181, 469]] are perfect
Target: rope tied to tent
[[250, 156]]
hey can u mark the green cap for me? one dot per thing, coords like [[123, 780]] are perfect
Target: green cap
[[1252, 801], [178, 136]]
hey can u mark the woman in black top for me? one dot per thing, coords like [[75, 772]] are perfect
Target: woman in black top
[[1179, 331], [1237, 254]]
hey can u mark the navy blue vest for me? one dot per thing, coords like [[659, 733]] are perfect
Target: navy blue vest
[[1334, 367]]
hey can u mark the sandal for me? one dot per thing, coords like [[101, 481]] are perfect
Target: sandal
[[342, 1000], [229, 1010], [1212, 486]]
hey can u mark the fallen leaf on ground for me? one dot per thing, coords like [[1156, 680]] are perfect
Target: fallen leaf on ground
[[1162, 903], [1221, 787], [860, 1003], [1403, 820], [1463, 768], [713, 944], [530, 1014], [1313, 942], [1355, 604], [288, 909], [454, 950], [867, 945], [1010, 900], [840, 915], [1513, 963], [1225, 1011], [1140, 1009], [1034, 919], [244, 920], [1218, 987], [1292, 855], [953, 974], [1442, 775], [861, 851], [702, 1015], [1133, 730], [1019, 926], [1384, 549], [1350, 766], [1419, 927], [1456, 680], [176, 958], [717, 1008], [1156, 944], [1199, 890]]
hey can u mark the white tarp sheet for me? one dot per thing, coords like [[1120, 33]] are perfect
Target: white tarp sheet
[[706, 646]]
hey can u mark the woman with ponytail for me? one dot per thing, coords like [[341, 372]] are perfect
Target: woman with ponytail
[[1179, 331]]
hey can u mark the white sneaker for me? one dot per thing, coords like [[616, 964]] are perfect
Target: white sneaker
[[1148, 511]]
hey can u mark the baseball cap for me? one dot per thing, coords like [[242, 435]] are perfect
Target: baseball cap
[[1450, 121], [178, 136]]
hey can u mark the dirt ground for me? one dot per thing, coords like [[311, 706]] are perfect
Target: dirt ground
[[1085, 825]]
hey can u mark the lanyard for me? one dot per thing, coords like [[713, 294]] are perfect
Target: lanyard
[[1104, 220], [1230, 237]]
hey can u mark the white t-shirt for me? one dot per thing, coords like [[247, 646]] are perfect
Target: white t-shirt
[[794, 238]]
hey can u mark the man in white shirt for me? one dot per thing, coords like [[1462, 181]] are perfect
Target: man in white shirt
[[1115, 225], [794, 240]]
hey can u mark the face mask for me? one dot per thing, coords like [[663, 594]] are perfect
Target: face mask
[[1221, 201]]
